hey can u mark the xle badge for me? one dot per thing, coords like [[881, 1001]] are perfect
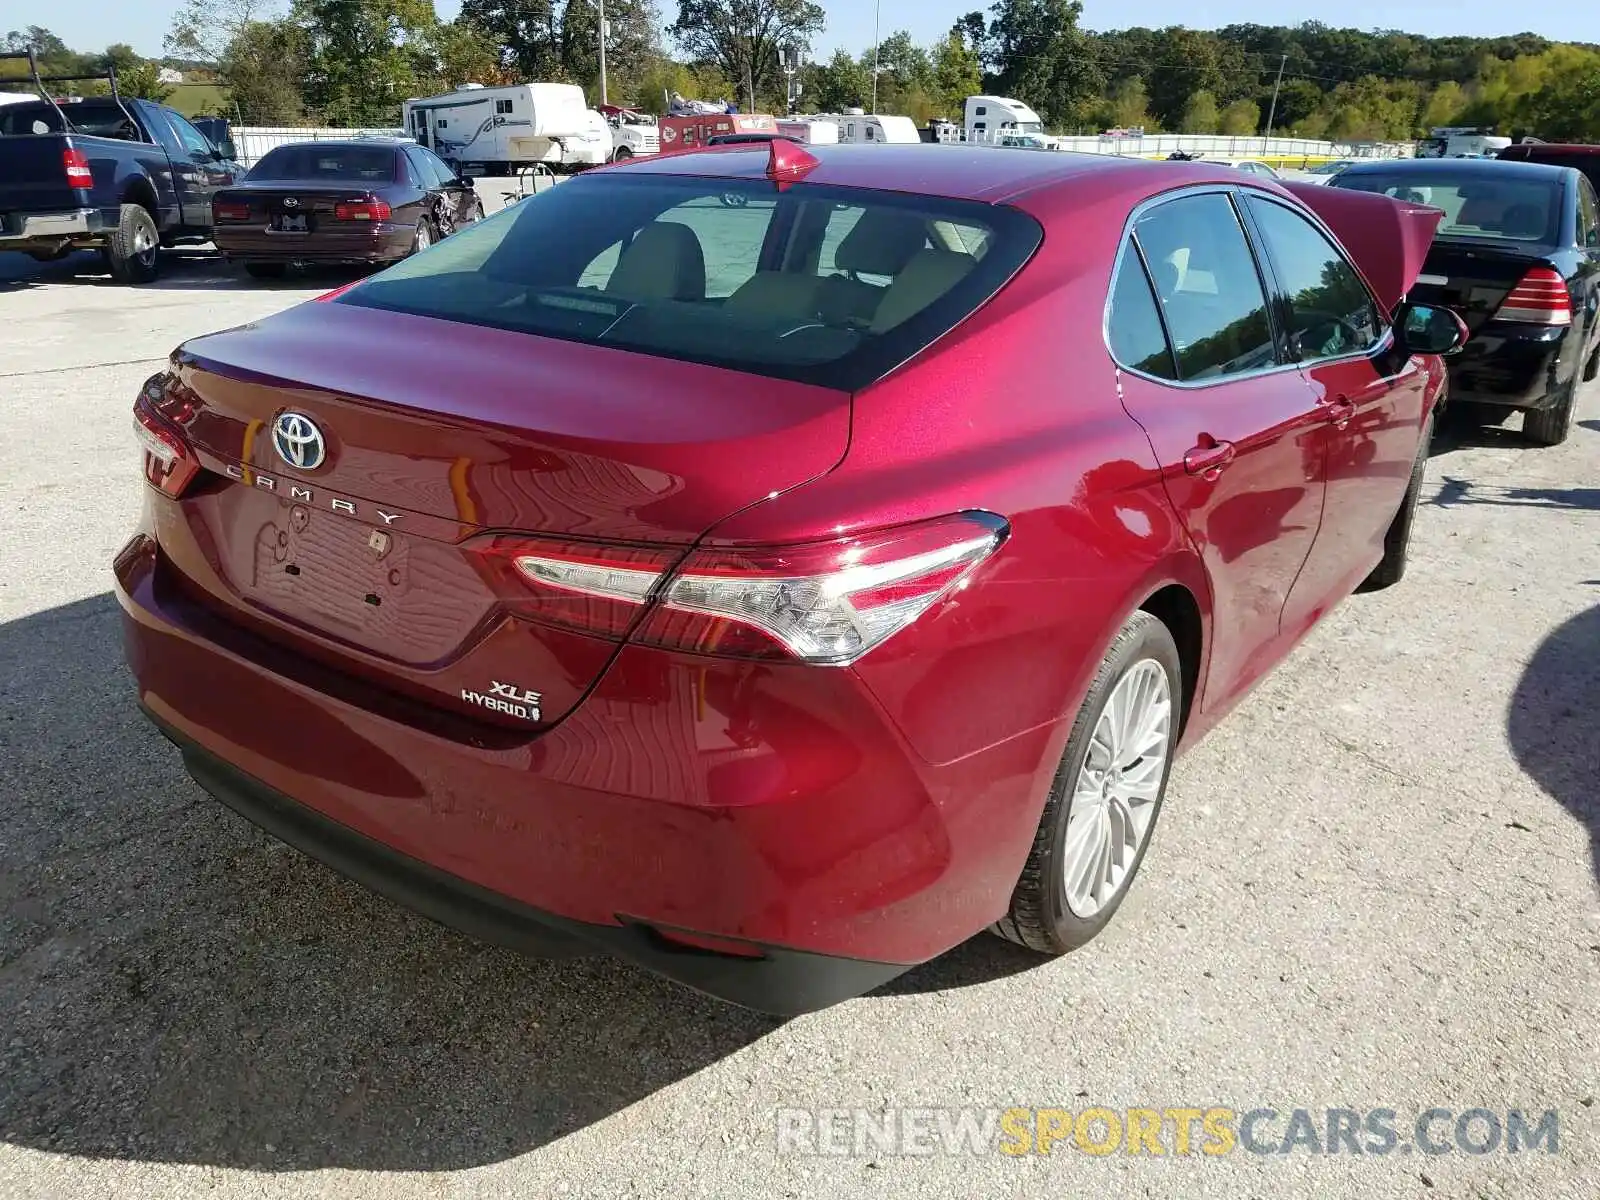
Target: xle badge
[[506, 698]]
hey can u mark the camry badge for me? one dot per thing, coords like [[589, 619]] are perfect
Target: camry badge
[[298, 441]]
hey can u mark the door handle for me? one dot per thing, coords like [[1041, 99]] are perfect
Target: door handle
[[1340, 411], [1209, 459]]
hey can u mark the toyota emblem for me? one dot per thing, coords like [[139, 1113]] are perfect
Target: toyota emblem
[[298, 441], [290, 202]]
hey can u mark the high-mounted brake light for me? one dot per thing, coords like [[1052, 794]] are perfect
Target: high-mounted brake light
[[76, 165], [169, 462], [1540, 298], [827, 603], [788, 160], [369, 209]]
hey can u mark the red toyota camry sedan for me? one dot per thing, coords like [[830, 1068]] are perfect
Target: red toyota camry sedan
[[773, 565]]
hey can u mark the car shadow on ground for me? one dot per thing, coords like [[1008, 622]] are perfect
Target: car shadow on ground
[[181, 270], [1454, 492], [1551, 721], [1462, 428], [176, 986]]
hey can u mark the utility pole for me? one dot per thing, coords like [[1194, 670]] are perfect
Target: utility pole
[[604, 99], [877, 11], [1272, 112]]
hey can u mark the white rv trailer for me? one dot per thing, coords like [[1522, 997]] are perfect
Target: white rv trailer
[[813, 131], [497, 130], [858, 127]]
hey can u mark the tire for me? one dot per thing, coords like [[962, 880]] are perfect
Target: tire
[[265, 270], [1391, 569], [423, 238], [134, 247], [1592, 367], [1042, 917], [623, 154], [477, 211], [1550, 426]]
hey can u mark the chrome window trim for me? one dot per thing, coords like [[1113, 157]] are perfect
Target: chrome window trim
[[1234, 193]]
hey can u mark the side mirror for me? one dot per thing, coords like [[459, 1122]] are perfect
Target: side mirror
[[1429, 329]]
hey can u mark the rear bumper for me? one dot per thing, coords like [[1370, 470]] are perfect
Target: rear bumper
[[1520, 366], [778, 981], [775, 811], [373, 244], [27, 231]]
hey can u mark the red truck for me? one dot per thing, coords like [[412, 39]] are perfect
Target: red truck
[[691, 133]]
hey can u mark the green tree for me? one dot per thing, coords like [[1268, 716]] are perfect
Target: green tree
[[957, 74], [633, 43], [527, 33], [1241, 118], [837, 84], [1186, 62], [142, 81], [264, 67], [361, 56], [904, 73], [1036, 53], [204, 29], [743, 38], [1445, 104], [1200, 114]]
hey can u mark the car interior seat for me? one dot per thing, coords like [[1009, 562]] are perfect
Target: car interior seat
[[882, 242], [663, 262]]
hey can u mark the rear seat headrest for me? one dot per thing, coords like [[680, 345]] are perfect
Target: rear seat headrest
[[882, 243]]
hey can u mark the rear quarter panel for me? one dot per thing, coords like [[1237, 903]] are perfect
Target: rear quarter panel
[[1017, 411]]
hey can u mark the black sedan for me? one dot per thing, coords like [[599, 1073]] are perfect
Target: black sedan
[[365, 201], [1518, 257]]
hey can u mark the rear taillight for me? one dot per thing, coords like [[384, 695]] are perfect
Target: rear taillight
[[169, 461], [826, 603], [1540, 298], [591, 587], [230, 210], [362, 210], [76, 165]]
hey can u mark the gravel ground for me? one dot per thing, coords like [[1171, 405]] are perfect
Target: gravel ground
[[1375, 886]]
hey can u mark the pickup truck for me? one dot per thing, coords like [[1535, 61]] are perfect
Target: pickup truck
[[124, 176]]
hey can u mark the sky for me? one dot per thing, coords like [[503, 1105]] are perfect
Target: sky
[[94, 24]]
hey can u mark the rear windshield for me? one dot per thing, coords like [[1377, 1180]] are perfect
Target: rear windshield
[[1476, 204], [1588, 162], [104, 118], [369, 164], [825, 285]]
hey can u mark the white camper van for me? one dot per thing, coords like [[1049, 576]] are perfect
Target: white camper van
[[856, 126], [498, 130]]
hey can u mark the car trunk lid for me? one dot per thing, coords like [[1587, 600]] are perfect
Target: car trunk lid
[[440, 440]]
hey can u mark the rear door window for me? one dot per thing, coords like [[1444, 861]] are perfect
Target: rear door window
[[1133, 325], [1588, 215], [1208, 286], [1329, 311], [833, 286]]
